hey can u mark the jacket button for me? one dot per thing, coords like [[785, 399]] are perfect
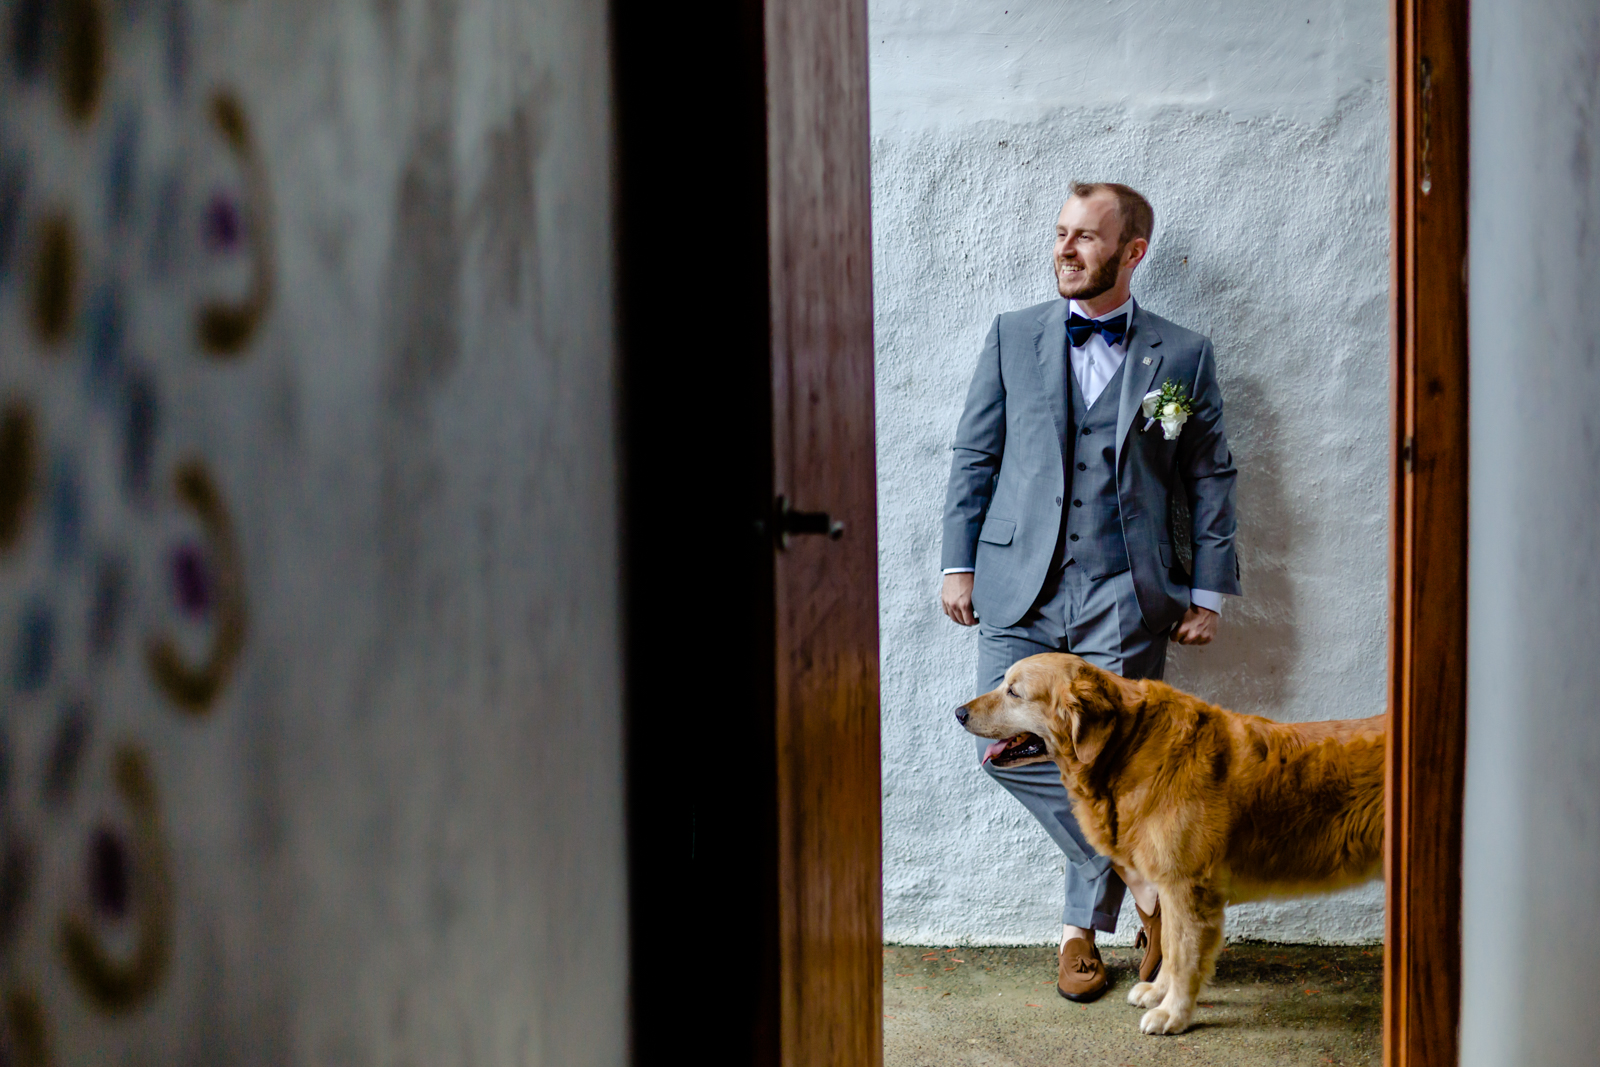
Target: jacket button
[[1083, 466], [1058, 502], [1077, 503], [1074, 537]]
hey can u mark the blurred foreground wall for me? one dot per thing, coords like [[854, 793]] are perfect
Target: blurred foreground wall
[[308, 607], [1531, 900]]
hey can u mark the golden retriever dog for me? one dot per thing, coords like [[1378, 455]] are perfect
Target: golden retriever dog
[[1211, 806]]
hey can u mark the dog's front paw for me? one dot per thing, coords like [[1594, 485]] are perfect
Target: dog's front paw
[[1144, 995], [1164, 1021]]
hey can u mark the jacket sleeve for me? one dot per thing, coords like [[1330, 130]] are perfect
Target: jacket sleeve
[[1206, 471], [980, 442]]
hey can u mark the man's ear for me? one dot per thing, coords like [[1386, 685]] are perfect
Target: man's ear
[[1133, 253], [1098, 704]]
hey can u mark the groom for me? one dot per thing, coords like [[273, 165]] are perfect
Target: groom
[[1073, 524]]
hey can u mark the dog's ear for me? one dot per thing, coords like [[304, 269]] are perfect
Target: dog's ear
[[1098, 703]]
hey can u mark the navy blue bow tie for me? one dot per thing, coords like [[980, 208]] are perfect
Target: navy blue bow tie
[[1080, 329]]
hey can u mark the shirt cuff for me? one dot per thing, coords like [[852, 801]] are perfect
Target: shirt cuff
[[1205, 598], [959, 570]]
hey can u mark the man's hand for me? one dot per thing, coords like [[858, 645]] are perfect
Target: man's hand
[[1198, 627], [956, 598]]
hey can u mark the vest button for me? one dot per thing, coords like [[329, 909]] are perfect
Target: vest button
[[1086, 431], [1074, 537], [1083, 466], [1077, 503]]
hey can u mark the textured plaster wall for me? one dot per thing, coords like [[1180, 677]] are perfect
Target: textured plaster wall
[[1259, 130], [1532, 844], [370, 811]]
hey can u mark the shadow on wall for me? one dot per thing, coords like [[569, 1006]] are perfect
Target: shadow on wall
[[1257, 649]]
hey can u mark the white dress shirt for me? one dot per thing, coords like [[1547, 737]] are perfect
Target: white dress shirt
[[1093, 365]]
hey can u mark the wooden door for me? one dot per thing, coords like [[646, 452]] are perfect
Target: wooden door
[[829, 867], [750, 532]]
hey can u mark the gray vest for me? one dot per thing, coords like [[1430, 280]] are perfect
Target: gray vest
[[1093, 528]]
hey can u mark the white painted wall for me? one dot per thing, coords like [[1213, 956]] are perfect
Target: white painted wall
[[384, 846], [1531, 907], [1259, 130]]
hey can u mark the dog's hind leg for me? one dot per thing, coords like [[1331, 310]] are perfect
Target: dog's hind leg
[[1191, 937]]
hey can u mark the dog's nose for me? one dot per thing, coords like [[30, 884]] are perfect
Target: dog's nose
[[961, 714]]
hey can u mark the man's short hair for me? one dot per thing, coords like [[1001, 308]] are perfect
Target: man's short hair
[[1138, 217]]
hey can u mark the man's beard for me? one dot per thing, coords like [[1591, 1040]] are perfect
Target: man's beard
[[1103, 280]]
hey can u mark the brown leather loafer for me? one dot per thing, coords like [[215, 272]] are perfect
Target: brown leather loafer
[[1149, 939], [1080, 974]]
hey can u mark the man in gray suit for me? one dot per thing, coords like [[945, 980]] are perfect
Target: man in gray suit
[[1075, 523]]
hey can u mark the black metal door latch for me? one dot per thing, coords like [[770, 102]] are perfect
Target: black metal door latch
[[787, 522]]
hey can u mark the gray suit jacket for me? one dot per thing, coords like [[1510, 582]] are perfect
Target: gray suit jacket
[[1003, 512]]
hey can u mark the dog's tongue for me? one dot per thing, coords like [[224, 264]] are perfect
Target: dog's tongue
[[994, 750]]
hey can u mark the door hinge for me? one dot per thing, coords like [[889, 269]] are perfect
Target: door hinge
[[1408, 451]]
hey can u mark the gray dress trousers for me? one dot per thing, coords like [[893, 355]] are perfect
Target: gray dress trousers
[[1100, 621]]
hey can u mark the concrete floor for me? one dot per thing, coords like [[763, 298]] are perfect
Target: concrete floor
[[1269, 1005]]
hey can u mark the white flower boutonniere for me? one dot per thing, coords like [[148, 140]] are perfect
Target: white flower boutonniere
[[1171, 405]]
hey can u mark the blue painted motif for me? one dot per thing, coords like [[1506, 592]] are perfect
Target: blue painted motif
[[13, 182], [177, 48], [66, 510], [35, 650], [105, 336], [141, 420], [122, 169], [28, 20], [106, 606]]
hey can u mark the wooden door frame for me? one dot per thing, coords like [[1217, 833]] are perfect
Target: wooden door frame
[[1428, 538], [769, 100]]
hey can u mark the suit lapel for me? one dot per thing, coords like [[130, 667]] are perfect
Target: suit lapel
[[1051, 345], [1140, 366]]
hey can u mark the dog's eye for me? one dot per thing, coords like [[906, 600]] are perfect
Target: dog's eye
[[1011, 691]]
